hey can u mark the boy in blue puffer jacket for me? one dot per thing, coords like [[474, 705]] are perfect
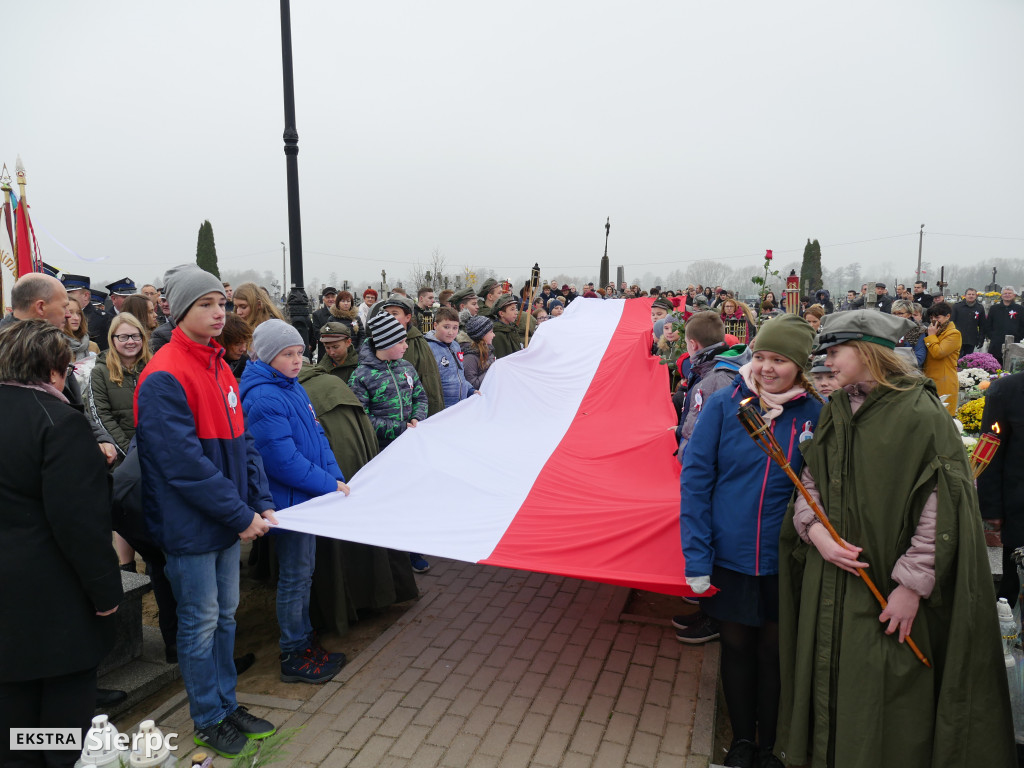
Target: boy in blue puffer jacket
[[300, 465], [448, 354], [732, 503]]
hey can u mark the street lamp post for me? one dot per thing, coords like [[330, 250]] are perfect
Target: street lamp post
[[605, 269], [298, 303], [920, 245]]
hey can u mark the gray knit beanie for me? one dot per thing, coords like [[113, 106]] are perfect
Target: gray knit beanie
[[479, 326], [186, 283], [272, 336]]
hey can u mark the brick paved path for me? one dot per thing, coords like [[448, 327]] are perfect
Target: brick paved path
[[494, 667]]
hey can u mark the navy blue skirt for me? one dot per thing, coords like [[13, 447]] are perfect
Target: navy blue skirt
[[742, 598]]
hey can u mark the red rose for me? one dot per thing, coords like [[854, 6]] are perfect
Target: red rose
[[768, 255]]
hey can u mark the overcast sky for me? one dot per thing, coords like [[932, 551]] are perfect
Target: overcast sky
[[504, 135]]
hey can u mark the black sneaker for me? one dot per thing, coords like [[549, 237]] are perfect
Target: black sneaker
[[767, 759], [306, 667], [242, 663], [253, 727], [684, 620], [224, 739], [702, 632], [742, 755]]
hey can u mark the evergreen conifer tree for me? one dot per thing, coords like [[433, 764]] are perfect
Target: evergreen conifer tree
[[206, 250], [810, 269]]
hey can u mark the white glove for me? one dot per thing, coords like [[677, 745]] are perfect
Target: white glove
[[699, 584]]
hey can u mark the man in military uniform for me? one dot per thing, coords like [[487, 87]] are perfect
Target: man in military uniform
[[119, 291]]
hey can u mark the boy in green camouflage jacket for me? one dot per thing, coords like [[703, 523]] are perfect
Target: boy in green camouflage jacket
[[388, 386]]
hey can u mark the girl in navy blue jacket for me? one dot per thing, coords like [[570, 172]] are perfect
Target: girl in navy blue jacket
[[733, 499], [300, 466]]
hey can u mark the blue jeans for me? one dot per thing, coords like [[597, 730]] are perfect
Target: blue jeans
[[206, 588], [296, 556]]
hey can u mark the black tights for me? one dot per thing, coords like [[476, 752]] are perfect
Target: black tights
[[750, 677]]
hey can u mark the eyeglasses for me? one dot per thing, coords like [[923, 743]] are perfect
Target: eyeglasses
[[70, 371], [125, 337]]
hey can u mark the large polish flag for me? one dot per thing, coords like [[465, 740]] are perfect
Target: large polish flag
[[564, 465]]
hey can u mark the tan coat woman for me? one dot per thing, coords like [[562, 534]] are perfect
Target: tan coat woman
[[942, 344]]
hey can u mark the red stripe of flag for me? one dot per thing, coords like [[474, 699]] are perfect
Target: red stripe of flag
[[628, 521]]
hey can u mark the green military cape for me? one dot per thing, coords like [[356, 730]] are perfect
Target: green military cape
[[425, 363], [350, 578], [506, 339], [852, 696]]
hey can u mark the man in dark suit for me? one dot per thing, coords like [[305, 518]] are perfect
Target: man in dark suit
[[921, 296], [1004, 319], [969, 318], [883, 299]]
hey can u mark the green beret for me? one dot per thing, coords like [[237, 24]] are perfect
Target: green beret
[[862, 325], [335, 330], [489, 285], [398, 300], [503, 301], [461, 295]]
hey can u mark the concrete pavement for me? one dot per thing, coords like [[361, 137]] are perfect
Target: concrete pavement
[[494, 667]]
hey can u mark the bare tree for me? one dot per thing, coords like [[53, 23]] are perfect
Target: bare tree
[[708, 272], [434, 273]]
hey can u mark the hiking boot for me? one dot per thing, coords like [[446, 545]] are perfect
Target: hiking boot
[[767, 759], [684, 620], [419, 564], [328, 657], [251, 726], [701, 632], [224, 739], [306, 667], [742, 755]]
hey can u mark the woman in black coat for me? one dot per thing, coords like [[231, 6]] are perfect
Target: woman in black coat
[[57, 564]]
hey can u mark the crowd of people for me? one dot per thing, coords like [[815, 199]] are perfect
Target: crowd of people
[[212, 412]]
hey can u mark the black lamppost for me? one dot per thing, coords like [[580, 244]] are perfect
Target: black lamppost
[[298, 303], [603, 279]]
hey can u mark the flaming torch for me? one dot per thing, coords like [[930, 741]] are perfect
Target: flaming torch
[[751, 419], [984, 450]]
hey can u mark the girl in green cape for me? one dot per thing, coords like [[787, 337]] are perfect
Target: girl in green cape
[[890, 471]]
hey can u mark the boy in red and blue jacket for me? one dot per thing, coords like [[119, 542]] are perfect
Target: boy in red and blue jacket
[[204, 490]]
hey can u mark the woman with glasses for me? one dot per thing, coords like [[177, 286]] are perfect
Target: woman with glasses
[[112, 395], [115, 375]]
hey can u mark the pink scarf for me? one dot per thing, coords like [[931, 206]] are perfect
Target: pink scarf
[[42, 386], [771, 404]]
